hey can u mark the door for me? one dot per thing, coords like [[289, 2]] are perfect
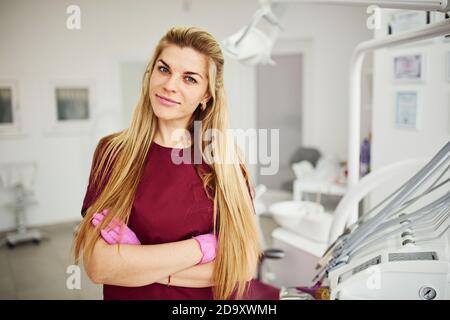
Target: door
[[279, 106]]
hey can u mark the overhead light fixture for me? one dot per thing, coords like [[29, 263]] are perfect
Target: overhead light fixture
[[250, 45]]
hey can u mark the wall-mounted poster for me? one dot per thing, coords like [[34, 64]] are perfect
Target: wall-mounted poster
[[409, 68], [407, 109], [402, 21]]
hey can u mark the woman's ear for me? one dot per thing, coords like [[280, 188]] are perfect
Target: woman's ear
[[206, 98], [203, 103]]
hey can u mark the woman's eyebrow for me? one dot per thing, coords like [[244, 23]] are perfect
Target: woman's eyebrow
[[187, 72]]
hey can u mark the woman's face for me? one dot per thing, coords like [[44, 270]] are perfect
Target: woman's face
[[180, 75]]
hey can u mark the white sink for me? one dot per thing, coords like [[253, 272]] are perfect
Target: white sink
[[305, 218]]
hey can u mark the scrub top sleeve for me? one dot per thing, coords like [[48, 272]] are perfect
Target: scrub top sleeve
[[92, 190]]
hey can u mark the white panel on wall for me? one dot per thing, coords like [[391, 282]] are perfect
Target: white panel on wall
[[391, 143]]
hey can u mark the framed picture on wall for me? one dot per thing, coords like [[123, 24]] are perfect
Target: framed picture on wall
[[409, 68], [9, 116], [72, 103], [407, 109], [438, 17], [402, 21], [71, 106]]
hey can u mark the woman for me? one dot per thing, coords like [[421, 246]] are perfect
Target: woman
[[167, 209]]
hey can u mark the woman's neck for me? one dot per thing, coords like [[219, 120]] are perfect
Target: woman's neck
[[172, 136]]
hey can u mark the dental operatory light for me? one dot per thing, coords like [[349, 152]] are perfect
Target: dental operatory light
[[251, 45]]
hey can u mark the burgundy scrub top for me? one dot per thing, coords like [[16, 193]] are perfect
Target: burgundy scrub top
[[170, 205]]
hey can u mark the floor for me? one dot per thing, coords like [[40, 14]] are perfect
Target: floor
[[31, 271]]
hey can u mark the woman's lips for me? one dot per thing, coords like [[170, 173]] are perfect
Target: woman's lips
[[166, 101]]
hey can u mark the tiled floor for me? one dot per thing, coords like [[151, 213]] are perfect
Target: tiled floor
[[32, 271]]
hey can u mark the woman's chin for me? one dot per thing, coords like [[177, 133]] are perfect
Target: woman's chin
[[164, 114]]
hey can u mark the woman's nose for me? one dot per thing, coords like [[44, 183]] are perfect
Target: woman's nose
[[171, 84]]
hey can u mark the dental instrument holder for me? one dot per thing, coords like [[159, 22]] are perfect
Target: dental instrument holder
[[22, 200], [403, 255], [14, 179]]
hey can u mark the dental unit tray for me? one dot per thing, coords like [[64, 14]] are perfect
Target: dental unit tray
[[400, 249]]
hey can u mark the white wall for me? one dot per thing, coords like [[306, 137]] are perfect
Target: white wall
[[391, 144], [40, 49]]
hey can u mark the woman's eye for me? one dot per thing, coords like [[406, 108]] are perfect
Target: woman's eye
[[190, 79], [163, 69]]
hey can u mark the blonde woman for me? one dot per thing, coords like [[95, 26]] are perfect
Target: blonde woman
[[155, 228]]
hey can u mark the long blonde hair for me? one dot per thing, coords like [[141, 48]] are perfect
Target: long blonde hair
[[234, 217]]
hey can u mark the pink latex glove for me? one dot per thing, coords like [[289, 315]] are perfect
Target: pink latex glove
[[112, 234], [208, 245]]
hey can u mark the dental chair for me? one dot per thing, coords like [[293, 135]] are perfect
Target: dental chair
[[312, 155]]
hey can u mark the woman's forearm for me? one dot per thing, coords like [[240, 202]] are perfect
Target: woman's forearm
[[139, 265], [198, 276]]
